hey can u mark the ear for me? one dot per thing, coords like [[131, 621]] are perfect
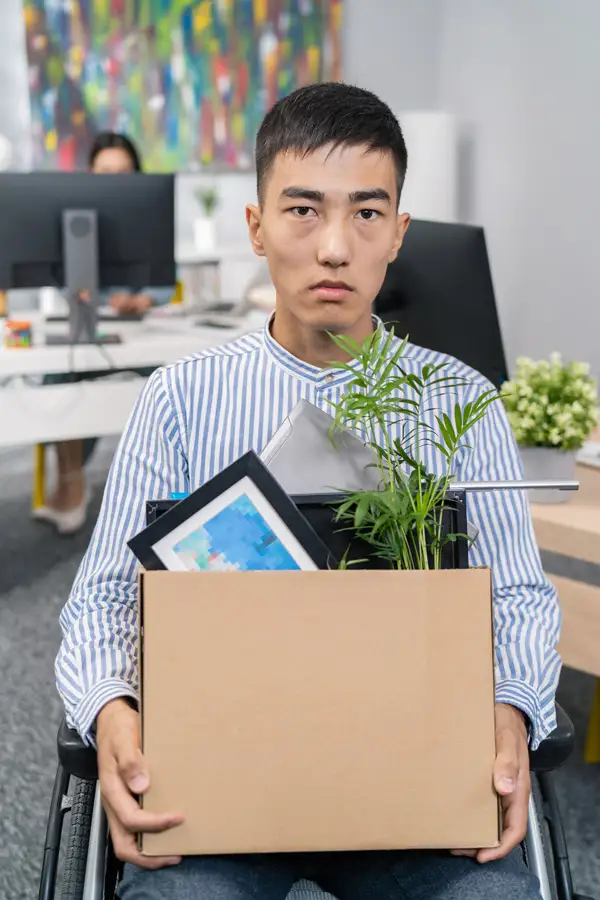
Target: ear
[[253, 218], [402, 223]]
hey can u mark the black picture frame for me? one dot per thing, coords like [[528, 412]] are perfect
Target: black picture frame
[[176, 512], [157, 508]]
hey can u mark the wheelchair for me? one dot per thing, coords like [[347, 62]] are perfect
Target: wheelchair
[[90, 870]]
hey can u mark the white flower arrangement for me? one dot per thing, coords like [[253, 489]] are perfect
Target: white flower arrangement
[[551, 403]]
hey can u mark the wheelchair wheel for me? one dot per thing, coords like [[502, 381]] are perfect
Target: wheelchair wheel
[[545, 832], [78, 840]]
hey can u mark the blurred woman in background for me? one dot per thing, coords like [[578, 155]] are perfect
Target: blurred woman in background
[[110, 154]]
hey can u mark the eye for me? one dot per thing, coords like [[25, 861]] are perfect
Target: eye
[[368, 215], [303, 212]]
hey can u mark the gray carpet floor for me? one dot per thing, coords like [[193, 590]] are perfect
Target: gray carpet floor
[[36, 570]]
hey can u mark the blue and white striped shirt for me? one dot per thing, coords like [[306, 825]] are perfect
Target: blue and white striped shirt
[[197, 416]]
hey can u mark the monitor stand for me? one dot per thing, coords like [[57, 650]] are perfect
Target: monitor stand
[[80, 258], [83, 326]]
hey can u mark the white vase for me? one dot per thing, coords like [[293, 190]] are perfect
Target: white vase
[[53, 302], [205, 235], [541, 463]]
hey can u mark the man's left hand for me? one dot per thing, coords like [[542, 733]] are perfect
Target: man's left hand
[[511, 781], [125, 303]]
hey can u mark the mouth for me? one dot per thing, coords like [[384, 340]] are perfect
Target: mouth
[[331, 290]]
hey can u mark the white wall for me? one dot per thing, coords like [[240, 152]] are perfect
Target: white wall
[[391, 47], [14, 97], [524, 76]]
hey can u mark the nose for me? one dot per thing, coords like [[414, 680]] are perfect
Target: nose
[[334, 245]]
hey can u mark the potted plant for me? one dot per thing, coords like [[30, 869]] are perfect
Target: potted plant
[[553, 409], [205, 237], [402, 520]]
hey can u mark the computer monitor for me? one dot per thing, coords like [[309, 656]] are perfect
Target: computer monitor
[[439, 292], [83, 232]]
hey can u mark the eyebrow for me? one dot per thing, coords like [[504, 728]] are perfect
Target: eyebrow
[[366, 196], [300, 193]]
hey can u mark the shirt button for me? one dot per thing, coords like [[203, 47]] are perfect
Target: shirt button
[[329, 378]]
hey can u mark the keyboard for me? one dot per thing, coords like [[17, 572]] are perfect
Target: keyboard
[[103, 317]]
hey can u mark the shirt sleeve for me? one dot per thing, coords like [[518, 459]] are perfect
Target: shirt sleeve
[[160, 296], [526, 612], [98, 657]]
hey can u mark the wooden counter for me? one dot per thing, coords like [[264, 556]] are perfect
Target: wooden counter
[[572, 530], [568, 535]]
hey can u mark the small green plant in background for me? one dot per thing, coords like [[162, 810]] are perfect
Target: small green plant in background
[[551, 403], [208, 198], [401, 520]]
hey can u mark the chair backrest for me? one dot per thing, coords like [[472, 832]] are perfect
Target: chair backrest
[[439, 292]]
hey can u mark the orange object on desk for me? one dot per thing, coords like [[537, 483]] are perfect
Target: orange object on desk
[[17, 334]]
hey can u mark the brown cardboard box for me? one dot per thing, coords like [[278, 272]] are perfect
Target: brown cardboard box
[[297, 711]]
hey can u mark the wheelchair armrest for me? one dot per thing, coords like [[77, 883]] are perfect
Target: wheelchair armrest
[[80, 760], [555, 750], [75, 757]]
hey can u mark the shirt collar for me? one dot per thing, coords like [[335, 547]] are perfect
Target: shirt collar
[[294, 366]]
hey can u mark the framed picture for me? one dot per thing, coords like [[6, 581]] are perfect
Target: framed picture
[[239, 520]]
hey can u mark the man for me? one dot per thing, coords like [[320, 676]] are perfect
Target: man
[[330, 162]]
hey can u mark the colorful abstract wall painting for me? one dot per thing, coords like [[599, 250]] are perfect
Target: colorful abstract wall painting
[[188, 80]]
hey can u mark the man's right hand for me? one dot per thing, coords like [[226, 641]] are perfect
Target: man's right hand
[[126, 303], [123, 774]]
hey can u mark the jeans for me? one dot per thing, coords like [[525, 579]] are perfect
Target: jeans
[[391, 875]]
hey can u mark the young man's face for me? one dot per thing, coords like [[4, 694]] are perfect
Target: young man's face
[[328, 227]]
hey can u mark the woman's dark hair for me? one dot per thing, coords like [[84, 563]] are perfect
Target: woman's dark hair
[[328, 113], [111, 140]]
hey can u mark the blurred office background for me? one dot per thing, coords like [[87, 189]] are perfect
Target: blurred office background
[[514, 86], [521, 78]]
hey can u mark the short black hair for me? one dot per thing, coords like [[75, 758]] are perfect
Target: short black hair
[[328, 113], [112, 140]]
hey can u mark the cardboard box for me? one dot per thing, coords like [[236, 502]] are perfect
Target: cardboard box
[[302, 711]]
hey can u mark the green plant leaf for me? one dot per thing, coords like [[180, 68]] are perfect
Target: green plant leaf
[[443, 450], [402, 519], [404, 456]]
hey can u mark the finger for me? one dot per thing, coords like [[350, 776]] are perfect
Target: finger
[[132, 817], [118, 301], [510, 839], [131, 764], [470, 853], [515, 825], [506, 765], [141, 302], [127, 850]]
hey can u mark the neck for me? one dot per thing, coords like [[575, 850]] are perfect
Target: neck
[[313, 346]]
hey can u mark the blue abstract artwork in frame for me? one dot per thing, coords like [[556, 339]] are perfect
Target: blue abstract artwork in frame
[[235, 538]]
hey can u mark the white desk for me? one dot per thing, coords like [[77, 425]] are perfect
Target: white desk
[[186, 254], [31, 413]]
